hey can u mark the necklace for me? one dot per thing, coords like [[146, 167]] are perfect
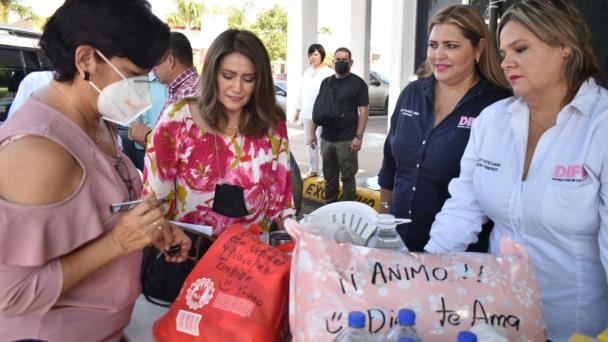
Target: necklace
[[96, 138], [234, 129], [536, 123]]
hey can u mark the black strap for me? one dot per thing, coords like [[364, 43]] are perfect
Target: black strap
[[177, 272], [144, 288]]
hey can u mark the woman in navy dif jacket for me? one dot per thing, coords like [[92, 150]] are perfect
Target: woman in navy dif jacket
[[432, 120]]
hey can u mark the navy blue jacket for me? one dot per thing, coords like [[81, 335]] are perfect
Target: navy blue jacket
[[419, 160]]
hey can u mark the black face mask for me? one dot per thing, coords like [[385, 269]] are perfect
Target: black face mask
[[229, 200], [342, 67]]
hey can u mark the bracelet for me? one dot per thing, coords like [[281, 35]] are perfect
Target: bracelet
[[385, 205], [359, 136]]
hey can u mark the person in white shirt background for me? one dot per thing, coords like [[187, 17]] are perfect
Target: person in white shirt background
[[537, 165], [30, 83], [311, 82]]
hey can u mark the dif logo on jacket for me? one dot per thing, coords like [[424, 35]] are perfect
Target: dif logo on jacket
[[466, 122]]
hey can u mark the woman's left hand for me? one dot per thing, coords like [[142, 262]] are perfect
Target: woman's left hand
[[179, 239]]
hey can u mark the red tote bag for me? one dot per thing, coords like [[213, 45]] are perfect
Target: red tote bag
[[238, 291]]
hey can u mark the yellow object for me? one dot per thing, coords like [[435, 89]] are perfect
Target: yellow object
[[580, 338], [603, 337], [314, 190]]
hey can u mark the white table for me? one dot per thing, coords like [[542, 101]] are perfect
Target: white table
[[143, 317]]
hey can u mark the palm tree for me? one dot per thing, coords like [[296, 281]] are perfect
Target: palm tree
[[6, 6], [4, 10], [188, 14]]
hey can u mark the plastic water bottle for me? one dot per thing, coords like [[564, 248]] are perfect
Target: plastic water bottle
[[406, 327], [386, 235], [356, 329], [406, 339], [466, 336]]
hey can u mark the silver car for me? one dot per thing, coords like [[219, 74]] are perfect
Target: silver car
[[280, 88], [378, 93], [377, 90]]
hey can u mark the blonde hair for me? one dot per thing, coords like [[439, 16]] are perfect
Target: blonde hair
[[473, 28], [559, 23]]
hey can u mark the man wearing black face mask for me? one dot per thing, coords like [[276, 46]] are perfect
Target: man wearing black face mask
[[342, 138]]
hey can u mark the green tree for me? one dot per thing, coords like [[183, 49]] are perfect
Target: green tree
[[236, 17], [329, 58], [5, 9], [24, 12], [271, 27], [324, 30], [188, 14]]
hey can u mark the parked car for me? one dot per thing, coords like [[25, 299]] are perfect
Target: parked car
[[19, 55], [378, 93], [280, 88]]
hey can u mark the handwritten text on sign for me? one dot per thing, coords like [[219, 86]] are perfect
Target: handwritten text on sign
[[382, 275], [240, 259]]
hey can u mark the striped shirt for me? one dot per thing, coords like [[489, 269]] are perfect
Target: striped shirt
[[184, 85]]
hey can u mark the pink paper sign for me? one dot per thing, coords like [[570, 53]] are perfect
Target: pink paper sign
[[450, 292]]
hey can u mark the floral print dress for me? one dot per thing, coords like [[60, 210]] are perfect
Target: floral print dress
[[184, 162]]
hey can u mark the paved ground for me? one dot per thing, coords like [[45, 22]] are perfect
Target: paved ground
[[370, 156]]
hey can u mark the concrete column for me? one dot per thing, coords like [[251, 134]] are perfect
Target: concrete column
[[302, 27], [402, 54], [360, 35]]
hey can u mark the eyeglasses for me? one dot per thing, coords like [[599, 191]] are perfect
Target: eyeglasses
[[123, 172], [341, 60]]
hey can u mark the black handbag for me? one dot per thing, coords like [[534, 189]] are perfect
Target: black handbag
[[161, 281], [326, 110]]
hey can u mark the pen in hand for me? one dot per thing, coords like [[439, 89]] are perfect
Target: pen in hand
[[171, 251], [126, 206]]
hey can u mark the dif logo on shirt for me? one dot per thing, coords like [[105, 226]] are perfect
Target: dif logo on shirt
[[569, 173], [466, 122]]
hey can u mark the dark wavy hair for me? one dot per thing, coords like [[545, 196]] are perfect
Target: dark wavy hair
[[124, 28], [261, 112]]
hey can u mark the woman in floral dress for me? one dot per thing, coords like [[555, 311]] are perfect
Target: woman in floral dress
[[223, 158]]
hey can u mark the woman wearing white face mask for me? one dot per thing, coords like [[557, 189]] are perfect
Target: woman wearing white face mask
[[70, 265]]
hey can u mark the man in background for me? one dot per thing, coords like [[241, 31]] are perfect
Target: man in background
[[146, 122], [178, 73], [28, 85], [341, 139]]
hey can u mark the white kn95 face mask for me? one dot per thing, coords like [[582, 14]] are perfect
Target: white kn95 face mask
[[123, 101]]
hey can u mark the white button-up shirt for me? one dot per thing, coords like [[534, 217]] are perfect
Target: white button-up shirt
[[559, 213], [311, 82]]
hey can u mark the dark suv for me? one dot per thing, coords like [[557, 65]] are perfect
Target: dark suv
[[19, 55]]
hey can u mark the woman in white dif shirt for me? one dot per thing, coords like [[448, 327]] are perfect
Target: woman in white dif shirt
[[311, 82], [537, 165]]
